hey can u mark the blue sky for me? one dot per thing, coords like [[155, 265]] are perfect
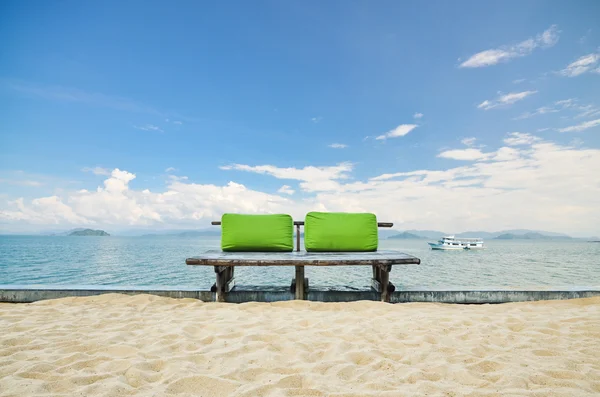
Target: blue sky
[[255, 93]]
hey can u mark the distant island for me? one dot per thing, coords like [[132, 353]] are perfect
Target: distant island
[[88, 232], [406, 236], [530, 236]]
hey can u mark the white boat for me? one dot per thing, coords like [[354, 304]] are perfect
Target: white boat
[[451, 243]]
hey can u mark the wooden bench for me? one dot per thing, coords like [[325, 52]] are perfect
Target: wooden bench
[[381, 263], [224, 264]]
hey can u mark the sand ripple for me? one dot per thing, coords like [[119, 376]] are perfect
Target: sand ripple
[[149, 346]]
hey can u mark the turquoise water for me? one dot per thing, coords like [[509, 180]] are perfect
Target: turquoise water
[[159, 262]]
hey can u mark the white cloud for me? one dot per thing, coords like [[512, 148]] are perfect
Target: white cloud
[[313, 178], [587, 111], [537, 112], [338, 146], [582, 65], [148, 127], [580, 127], [557, 106], [177, 122], [170, 169], [505, 53], [509, 188], [401, 130], [518, 81], [468, 141], [316, 119], [418, 115], [566, 103], [520, 138], [485, 105], [505, 100], [285, 189], [96, 170], [571, 104], [464, 154]]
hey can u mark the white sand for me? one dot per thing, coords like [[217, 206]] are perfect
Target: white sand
[[149, 346]]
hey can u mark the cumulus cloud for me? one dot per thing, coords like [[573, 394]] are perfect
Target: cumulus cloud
[[581, 127], [338, 146], [285, 189], [505, 100], [418, 115], [586, 63], [507, 52], [170, 169], [514, 186], [399, 131]]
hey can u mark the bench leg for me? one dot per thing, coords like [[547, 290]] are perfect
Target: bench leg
[[224, 282], [381, 282], [384, 281], [300, 283]]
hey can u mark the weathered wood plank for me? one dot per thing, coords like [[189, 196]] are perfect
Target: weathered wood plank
[[299, 294], [382, 259]]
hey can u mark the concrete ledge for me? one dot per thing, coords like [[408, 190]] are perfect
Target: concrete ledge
[[28, 294], [489, 296]]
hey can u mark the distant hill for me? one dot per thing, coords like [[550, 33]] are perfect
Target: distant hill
[[406, 236], [531, 236], [480, 234], [527, 231], [88, 232]]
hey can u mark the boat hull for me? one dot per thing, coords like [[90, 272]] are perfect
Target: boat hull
[[442, 247], [436, 246]]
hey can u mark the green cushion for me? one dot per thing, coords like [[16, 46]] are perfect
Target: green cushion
[[339, 231], [266, 233]]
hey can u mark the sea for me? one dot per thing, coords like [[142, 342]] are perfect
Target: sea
[[159, 262]]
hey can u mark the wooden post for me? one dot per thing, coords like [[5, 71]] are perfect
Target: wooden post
[[297, 237], [381, 282], [299, 282], [224, 282], [384, 281]]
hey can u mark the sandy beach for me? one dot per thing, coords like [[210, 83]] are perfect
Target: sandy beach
[[151, 346]]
